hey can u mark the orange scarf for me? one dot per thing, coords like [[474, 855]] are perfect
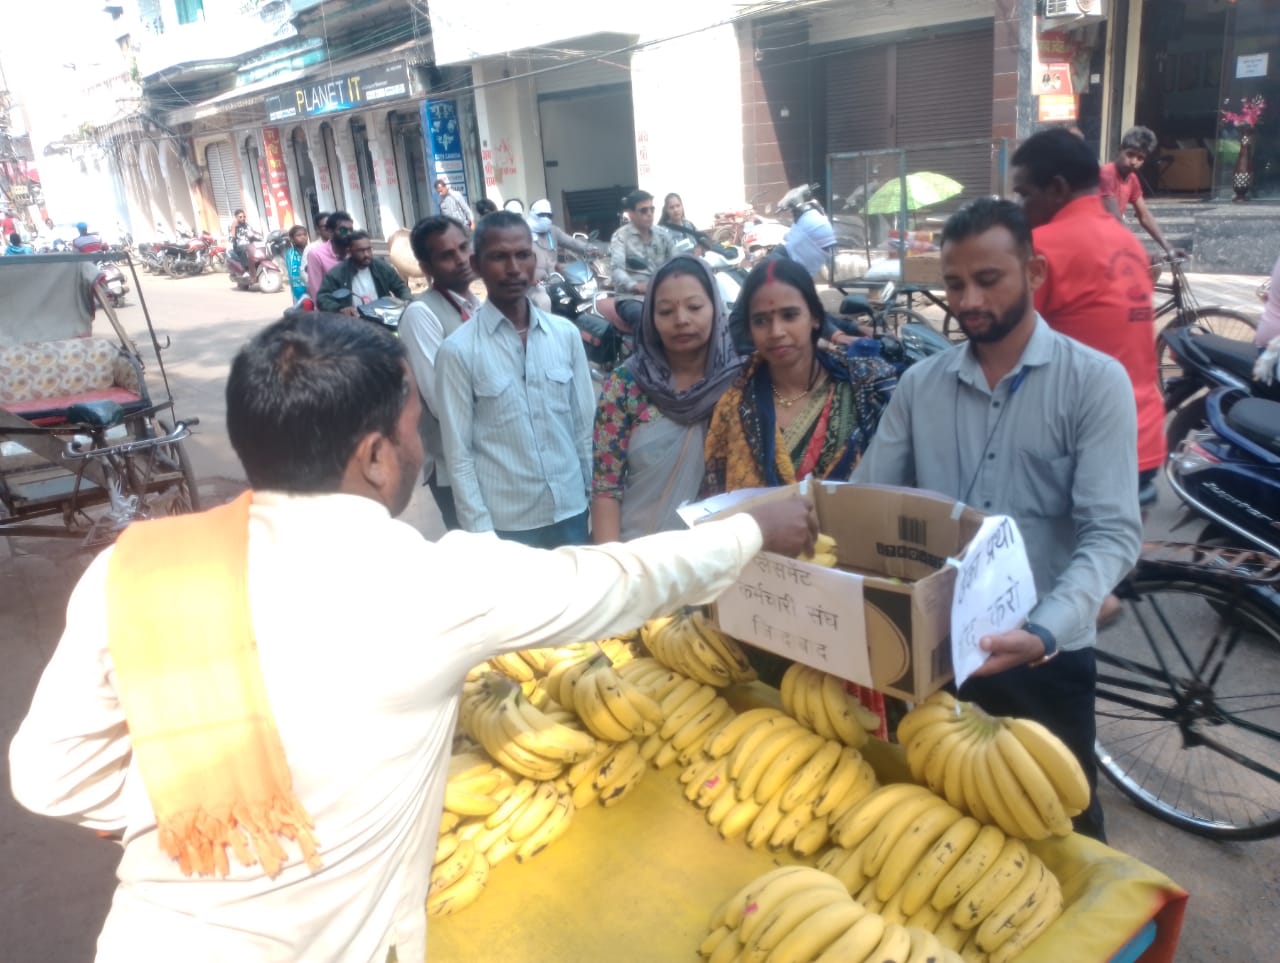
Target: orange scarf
[[189, 680]]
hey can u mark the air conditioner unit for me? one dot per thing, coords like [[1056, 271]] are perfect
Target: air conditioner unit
[[1074, 9]]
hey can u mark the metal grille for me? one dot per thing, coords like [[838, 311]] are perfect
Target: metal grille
[[224, 181]]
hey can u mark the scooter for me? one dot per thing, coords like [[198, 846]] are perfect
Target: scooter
[[1229, 471], [1208, 361], [111, 281], [261, 268], [575, 296]]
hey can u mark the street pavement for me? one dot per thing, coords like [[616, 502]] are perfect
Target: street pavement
[[58, 879]]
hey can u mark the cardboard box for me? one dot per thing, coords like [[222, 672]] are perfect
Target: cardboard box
[[923, 269], [887, 623]]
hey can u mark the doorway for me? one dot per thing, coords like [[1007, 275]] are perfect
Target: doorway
[[306, 179], [588, 142]]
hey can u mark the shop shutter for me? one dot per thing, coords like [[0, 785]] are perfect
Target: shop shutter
[[604, 72], [857, 91], [223, 179], [943, 93]]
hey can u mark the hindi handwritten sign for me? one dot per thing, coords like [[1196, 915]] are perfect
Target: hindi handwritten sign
[[804, 612], [994, 591]]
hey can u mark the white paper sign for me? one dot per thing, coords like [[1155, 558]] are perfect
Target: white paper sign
[[1252, 65], [993, 594], [804, 612]]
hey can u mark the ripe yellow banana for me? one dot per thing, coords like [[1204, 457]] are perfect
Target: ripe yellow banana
[[1001, 877], [531, 728], [591, 708], [775, 893], [731, 911], [839, 705], [934, 764], [806, 784], [842, 778], [993, 931], [685, 710], [622, 701], [448, 871], [622, 758], [520, 795], [534, 812], [922, 744], [945, 853], [773, 746], [849, 869], [894, 945], [985, 849], [738, 819], [1014, 795], [626, 781], [896, 824], [714, 784], [950, 935], [857, 942], [463, 803], [864, 785], [726, 647], [806, 941], [1057, 762], [1037, 786], [811, 837], [1001, 807], [911, 846], [789, 827], [446, 845], [462, 893], [708, 945], [727, 736], [765, 823], [700, 725], [922, 717], [860, 821], [785, 765], [752, 739], [926, 918], [720, 806], [788, 915], [1031, 927], [555, 826], [925, 948], [974, 801], [585, 770]]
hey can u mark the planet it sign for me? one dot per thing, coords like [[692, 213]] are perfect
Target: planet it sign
[[334, 94]]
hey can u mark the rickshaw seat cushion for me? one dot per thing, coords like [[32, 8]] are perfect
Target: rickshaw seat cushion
[[40, 380], [55, 411], [99, 414]]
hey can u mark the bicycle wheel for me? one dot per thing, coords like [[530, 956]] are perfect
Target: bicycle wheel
[[1188, 707], [1224, 322], [162, 477], [891, 319]]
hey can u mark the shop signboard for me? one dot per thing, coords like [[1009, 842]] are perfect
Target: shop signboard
[[277, 177], [443, 135], [267, 200], [346, 92], [1058, 108], [1252, 65]]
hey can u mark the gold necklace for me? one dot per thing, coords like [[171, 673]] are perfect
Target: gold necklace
[[788, 402]]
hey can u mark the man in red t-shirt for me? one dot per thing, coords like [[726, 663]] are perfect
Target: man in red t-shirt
[[1120, 188]]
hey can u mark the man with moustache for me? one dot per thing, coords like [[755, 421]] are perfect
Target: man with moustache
[[1026, 422], [517, 403], [443, 249]]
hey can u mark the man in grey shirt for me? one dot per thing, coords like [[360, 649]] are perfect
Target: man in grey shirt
[[1026, 422], [636, 250], [452, 205], [517, 404]]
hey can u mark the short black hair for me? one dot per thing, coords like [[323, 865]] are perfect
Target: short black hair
[[296, 228], [331, 223], [978, 217], [497, 221], [427, 228], [790, 273], [1139, 138], [635, 197], [237, 212], [485, 206], [358, 236], [1057, 153], [322, 219], [304, 392]]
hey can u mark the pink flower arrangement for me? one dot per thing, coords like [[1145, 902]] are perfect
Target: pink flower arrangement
[[1251, 109]]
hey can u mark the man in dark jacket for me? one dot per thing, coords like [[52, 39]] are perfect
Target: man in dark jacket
[[364, 278]]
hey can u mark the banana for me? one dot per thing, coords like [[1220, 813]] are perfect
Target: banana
[[785, 765], [926, 918], [450, 870], [895, 826], [867, 897], [666, 756], [953, 770], [730, 913], [609, 688], [922, 744], [928, 714], [584, 794], [806, 941], [860, 821], [726, 738], [720, 806], [516, 718], [775, 893], [836, 700], [686, 710], [623, 757], [892, 910], [569, 681], [650, 748], [555, 826], [789, 827], [622, 786], [842, 778], [752, 739], [715, 783], [787, 687], [463, 803], [520, 795], [534, 813], [1004, 874], [774, 745], [713, 939], [950, 935], [446, 845], [972, 866], [934, 765], [739, 818], [946, 852], [555, 678], [1001, 808], [1031, 927], [449, 821], [788, 915], [1058, 763], [1014, 796], [595, 714], [973, 799], [765, 823], [512, 666], [726, 647], [812, 683], [811, 837], [849, 869], [726, 952], [856, 943], [461, 894], [691, 775], [925, 947], [808, 781], [895, 945], [500, 849], [1037, 786], [993, 931], [586, 769], [911, 846], [864, 785], [701, 724]]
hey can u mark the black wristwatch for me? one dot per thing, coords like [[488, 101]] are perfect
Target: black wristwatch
[[1047, 639]]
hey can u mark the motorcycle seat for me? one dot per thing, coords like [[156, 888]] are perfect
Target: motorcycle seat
[[856, 304], [1258, 420], [1238, 357]]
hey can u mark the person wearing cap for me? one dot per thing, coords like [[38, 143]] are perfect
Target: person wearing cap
[[86, 243], [637, 249], [549, 245], [452, 204]]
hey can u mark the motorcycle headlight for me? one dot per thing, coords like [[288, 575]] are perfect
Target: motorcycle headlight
[[588, 289]]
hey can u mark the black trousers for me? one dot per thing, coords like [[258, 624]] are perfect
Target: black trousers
[[443, 495], [1060, 695]]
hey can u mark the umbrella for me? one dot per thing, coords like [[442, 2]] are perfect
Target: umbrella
[[923, 189]]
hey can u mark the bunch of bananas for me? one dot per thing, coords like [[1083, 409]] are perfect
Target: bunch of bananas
[[688, 643], [519, 736], [796, 914], [610, 706], [607, 775], [820, 701], [824, 552], [531, 818], [914, 859], [1011, 773], [475, 787], [457, 876], [525, 665], [764, 776]]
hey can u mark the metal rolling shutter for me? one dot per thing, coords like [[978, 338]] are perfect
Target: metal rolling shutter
[[857, 89], [944, 94], [223, 178]]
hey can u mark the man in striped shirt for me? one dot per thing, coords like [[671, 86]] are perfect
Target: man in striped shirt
[[516, 403]]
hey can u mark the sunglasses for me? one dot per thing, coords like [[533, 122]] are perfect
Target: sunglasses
[[343, 230]]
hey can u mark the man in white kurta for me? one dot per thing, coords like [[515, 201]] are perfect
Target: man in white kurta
[[364, 633]]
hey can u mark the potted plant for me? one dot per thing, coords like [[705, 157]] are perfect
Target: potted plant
[[1245, 121]]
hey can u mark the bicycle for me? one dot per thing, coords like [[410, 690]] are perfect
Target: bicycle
[[1181, 303], [884, 309], [1188, 691]]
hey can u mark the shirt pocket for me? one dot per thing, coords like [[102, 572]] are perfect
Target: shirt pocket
[[559, 389], [495, 398], [1043, 484]]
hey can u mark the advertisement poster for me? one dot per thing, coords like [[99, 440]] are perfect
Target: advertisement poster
[[267, 200], [277, 178], [443, 134]]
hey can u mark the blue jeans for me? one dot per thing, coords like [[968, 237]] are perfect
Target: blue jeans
[[571, 531]]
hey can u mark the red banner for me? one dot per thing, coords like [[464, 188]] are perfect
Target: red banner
[[277, 178]]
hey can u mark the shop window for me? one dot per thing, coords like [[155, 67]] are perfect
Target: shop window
[[368, 184]]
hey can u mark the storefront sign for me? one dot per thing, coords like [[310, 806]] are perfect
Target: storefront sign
[[277, 177], [369, 86], [1055, 78], [1252, 65], [267, 200], [1058, 108], [443, 136]]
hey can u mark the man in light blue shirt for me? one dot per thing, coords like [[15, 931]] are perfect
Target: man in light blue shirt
[[516, 403]]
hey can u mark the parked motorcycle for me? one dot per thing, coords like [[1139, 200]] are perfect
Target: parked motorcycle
[[261, 268], [112, 282], [1208, 361], [217, 256], [186, 257], [1228, 472], [575, 295]]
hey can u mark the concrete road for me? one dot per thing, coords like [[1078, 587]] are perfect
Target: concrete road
[[58, 879]]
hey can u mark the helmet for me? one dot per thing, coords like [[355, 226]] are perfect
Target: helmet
[[82, 226], [541, 207]]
